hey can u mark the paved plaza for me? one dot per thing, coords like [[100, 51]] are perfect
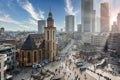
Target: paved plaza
[[64, 66]]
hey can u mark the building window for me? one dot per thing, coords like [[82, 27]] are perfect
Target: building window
[[47, 35], [22, 56], [53, 46], [48, 46], [5, 63], [35, 56], [0, 75], [40, 55], [28, 57], [53, 34]]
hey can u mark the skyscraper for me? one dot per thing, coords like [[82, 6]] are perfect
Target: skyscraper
[[93, 21], [69, 23], [97, 24], [41, 25], [118, 21], [86, 15], [115, 28], [104, 17], [79, 28]]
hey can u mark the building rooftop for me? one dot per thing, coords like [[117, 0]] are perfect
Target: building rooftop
[[5, 46], [30, 43], [2, 56]]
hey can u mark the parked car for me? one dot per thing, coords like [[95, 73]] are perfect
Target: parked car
[[46, 62], [34, 66], [39, 66], [43, 64], [82, 69]]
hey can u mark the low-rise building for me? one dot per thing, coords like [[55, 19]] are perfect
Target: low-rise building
[[99, 40], [3, 66], [10, 51], [86, 37], [113, 42], [115, 28], [61, 38]]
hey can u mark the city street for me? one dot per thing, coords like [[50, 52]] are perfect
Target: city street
[[24, 74], [66, 66]]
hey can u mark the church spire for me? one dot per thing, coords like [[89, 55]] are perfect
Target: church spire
[[50, 21], [50, 13], [50, 8]]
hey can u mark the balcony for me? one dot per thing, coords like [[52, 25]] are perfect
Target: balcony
[[5, 68]]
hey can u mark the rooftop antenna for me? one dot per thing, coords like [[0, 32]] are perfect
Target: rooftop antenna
[[50, 8]]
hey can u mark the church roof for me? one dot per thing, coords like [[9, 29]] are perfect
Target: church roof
[[30, 43], [42, 45]]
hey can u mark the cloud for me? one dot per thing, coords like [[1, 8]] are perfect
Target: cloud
[[12, 24], [69, 8], [32, 22], [6, 18], [26, 5]]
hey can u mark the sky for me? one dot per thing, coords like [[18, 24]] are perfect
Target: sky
[[22, 15]]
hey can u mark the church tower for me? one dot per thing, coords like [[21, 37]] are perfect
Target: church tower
[[50, 38]]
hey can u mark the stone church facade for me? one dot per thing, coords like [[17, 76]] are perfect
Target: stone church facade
[[39, 47]]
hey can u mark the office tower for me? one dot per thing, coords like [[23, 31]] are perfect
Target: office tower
[[79, 28], [118, 21], [86, 15], [93, 21], [115, 28], [69, 23], [41, 25], [97, 24], [104, 17], [50, 38]]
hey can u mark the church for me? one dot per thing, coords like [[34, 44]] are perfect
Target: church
[[39, 47]]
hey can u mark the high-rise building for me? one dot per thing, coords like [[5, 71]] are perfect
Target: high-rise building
[[93, 21], [97, 24], [50, 38], [115, 28], [86, 15], [41, 25], [79, 28], [69, 23], [118, 21], [104, 17]]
